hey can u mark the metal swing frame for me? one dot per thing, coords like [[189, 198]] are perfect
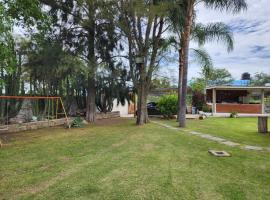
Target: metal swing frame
[[58, 99]]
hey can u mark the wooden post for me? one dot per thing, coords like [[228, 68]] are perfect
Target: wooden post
[[262, 101], [135, 108], [214, 101], [56, 111], [262, 124], [62, 104]]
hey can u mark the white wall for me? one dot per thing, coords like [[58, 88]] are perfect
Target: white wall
[[122, 109]]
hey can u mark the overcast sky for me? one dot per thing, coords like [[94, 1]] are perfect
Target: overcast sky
[[251, 30]]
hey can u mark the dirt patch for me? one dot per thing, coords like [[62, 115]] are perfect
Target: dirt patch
[[119, 143], [148, 147], [112, 121]]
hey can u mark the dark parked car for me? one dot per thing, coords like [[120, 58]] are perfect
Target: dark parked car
[[152, 109]]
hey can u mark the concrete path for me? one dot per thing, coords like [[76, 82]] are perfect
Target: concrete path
[[215, 139]]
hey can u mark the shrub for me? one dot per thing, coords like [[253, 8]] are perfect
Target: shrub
[[198, 100], [77, 122], [167, 105], [233, 114], [206, 108]]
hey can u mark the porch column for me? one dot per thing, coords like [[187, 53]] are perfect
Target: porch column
[[214, 100], [262, 101]]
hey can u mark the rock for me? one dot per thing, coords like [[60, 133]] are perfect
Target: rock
[[73, 108], [201, 113], [202, 116], [84, 122], [25, 114]]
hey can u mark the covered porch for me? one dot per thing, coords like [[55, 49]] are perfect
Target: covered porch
[[240, 99]]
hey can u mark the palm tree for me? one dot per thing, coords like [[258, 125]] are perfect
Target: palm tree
[[186, 27], [201, 34]]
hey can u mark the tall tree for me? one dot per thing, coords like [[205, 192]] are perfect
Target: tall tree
[[87, 29], [142, 23], [260, 79], [188, 11], [22, 13]]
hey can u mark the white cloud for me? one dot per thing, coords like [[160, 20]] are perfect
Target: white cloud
[[251, 30], [251, 35]]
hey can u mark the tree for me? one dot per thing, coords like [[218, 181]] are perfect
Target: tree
[[219, 77], [142, 24], [162, 82], [24, 13], [209, 75], [188, 10], [112, 85], [260, 79], [200, 34], [87, 29]]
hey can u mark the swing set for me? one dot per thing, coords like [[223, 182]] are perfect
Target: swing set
[[42, 108]]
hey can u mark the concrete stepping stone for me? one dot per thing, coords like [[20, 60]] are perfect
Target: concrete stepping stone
[[231, 144], [216, 139], [267, 148], [213, 138], [195, 133], [206, 136], [255, 148]]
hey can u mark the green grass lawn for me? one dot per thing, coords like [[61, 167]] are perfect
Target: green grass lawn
[[242, 130], [123, 161]]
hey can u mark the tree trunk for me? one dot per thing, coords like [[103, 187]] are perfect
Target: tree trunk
[[185, 36], [142, 115], [180, 74], [91, 100], [262, 124], [91, 90]]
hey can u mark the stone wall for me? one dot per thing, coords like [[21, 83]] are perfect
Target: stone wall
[[12, 128], [32, 125], [108, 115]]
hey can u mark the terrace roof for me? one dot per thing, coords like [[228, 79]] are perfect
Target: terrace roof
[[227, 87]]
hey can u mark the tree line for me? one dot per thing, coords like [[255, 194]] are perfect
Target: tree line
[[94, 51]]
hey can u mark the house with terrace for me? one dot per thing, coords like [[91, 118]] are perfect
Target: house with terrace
[[240, 98]]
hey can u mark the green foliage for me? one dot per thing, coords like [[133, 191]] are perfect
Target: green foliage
[[205, 108], [77, 122], [233, 114], [167, 105], [213, 32], [152, 98], [7, 55], [189, 100], [112, 86], [198, 100], [160, 83], [214, 76], [220, 76], [260, 79], [202, 57], [197, 84]]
